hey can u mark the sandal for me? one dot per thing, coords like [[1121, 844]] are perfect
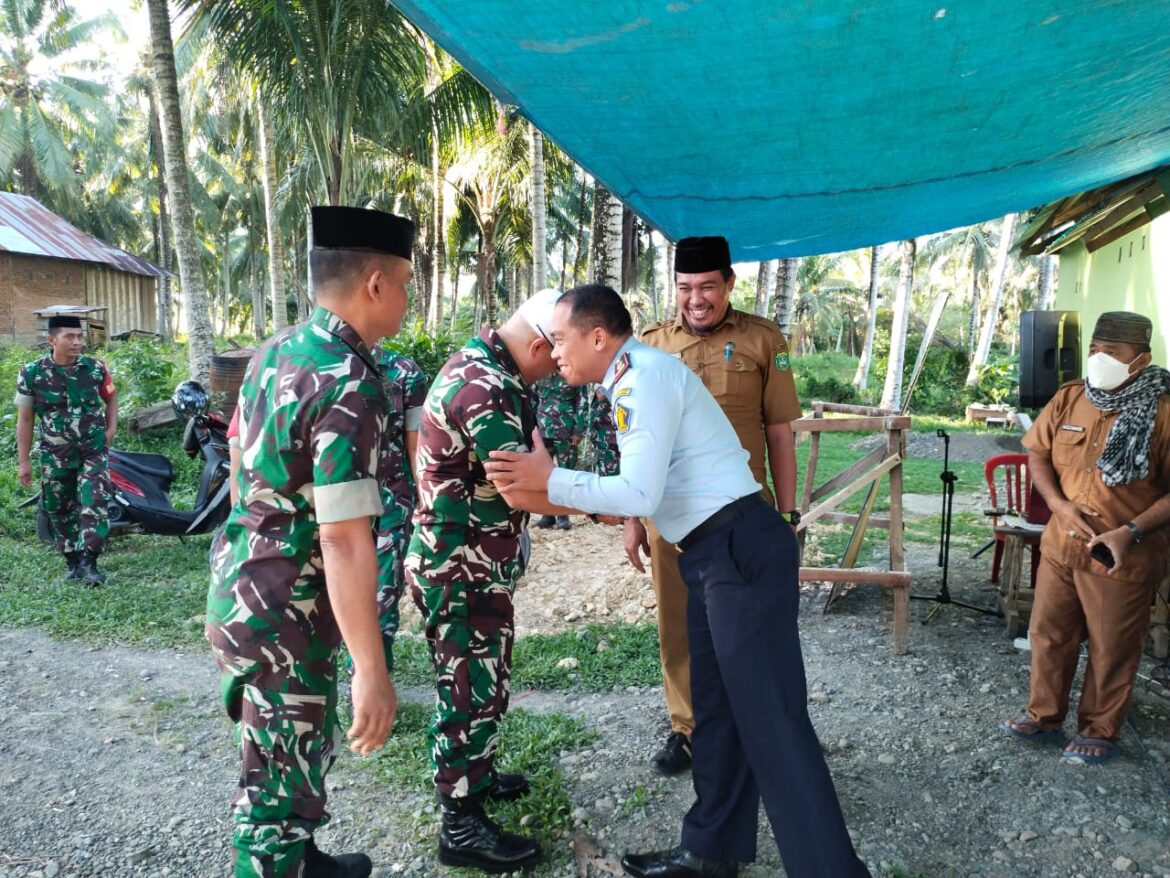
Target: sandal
[[1108, 749], [1028, 729]]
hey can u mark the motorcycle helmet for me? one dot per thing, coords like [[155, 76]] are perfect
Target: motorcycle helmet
[[190, 400]]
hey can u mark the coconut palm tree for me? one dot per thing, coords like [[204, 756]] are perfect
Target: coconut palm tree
[[996, 299], [201, 337], [52, 105], [861, 376], [892, 392]]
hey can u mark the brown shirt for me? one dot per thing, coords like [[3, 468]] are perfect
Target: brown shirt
[[1071, 432], [745, 365]]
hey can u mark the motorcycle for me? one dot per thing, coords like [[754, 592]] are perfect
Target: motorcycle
[[140, 499]]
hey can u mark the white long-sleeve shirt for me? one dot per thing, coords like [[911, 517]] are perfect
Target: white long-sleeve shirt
[[681, 460]]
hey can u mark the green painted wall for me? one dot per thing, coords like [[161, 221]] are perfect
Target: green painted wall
[[1131, 274]]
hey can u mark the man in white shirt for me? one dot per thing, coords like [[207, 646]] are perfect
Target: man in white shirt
[[683, 466]]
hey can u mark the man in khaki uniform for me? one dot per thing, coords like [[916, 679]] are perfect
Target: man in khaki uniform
[[743, 361], [1099, 454]]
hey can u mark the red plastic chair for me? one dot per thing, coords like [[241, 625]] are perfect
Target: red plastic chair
[[1008, 477]]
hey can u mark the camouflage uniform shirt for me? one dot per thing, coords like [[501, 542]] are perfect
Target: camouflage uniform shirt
[[312, 419], [557, 409], [463, 529], [70, 402], [405, 386]]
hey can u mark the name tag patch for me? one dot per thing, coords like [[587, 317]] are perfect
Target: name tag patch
[[1072, 428]]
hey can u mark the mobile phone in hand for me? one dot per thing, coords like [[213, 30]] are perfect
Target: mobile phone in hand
[[1100, 552]]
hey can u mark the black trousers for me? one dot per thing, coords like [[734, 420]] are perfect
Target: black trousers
[[753, 736]]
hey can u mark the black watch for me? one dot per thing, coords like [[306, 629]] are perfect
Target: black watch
[[793, 517]]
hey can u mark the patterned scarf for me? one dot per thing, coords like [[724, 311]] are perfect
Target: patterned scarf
[[1126, 457]]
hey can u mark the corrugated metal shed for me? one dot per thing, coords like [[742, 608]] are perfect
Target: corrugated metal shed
[[27, 226]]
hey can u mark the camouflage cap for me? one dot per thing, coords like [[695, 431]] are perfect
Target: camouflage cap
[[1125, 327]]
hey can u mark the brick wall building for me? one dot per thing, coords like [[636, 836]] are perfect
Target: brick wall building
[[46, 261]]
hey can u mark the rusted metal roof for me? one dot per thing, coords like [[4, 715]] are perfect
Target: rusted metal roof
[[27, 226]]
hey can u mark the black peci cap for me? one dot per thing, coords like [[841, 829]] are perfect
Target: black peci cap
[[698, 255], [359, 228], [64, 321]]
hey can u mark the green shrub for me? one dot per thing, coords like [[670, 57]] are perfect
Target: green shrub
[[145, 372], [429, 350]]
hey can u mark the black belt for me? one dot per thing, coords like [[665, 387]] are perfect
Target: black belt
[[729, 513]]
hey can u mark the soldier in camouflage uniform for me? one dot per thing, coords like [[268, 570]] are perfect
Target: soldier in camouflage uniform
[[405, 387], [294, 569], [558, 414], [464, 560], [602, 456], [74, 398]]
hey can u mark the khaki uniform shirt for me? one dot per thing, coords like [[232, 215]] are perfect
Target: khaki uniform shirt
[[745, 365], [1071, 432]]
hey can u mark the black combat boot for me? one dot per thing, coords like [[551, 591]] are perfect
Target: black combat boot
[[563, 522], [546, 521], [321, 865], [506, 787], [87, 570], [73, 563], [469, 837]]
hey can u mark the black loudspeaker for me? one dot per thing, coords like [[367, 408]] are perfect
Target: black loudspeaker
[[1050, 354]]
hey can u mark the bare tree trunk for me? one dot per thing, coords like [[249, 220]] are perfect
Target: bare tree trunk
[[629, 251], [580, 252], [201, 338], [275, 242], [995, 300], [892, 393], [454, 295], [539, 212], [595, 267], [668, 298], [259, 321], [487, 275], [165, 329], [611, 275], [861, 377], [439, 250], [1046, 282], [764, 279], [785, 290]]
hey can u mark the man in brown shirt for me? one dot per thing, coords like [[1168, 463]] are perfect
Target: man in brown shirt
[[743, 361], [1099, 454]]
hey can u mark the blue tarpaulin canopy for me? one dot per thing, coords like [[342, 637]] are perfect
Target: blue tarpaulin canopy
[[813, 126]]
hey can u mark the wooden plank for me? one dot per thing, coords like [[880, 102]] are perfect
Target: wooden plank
[[845, 408], [877, 521], [849, 490], [854, 576], [151, 418], [1110, 235], [810, 472], [842, 425], [872, 459], [896, 447]]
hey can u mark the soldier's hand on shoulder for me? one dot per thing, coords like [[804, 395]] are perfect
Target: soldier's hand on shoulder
[[375, 706]]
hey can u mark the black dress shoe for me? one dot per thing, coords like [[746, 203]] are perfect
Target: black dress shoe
[[546, 521], [468, 837], [677, 863], [321, 865], [674, 757], [506, 787]]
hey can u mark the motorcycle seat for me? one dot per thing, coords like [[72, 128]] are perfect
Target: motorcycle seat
[[153, 466]]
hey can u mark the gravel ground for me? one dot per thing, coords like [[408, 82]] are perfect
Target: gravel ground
[[116, 761]]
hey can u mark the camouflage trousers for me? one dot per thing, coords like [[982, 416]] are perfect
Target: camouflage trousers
[[286, 723], [564, 451], [469, 626], [75, 499], [392, 543]]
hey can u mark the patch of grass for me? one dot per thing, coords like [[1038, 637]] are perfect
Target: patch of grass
[[527, 740], [968, 530], [631, 659], [155, 595]]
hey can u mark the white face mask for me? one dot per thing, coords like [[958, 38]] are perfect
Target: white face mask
[[1106, 372]]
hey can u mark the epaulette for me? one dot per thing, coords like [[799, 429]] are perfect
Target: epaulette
[[1071, 383], [654, 327], [756, 320]]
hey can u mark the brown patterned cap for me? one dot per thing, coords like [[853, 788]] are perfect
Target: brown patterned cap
[[1125, 327]]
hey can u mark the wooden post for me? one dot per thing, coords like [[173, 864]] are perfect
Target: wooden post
[[896, 448]]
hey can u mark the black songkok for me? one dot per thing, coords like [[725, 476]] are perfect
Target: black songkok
[[698, 255], [64, 321], [358, 228], [1125, 327]]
